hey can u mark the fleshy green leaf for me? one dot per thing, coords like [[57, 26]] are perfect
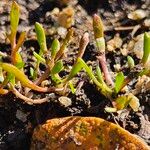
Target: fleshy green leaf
[[56, 78], [130, 61], [119, 81], [41, 37], [55, 48], [75, 69], [99, 74], [146, 48], [20, 65], [57, 67], [19, 75], [14, 18], [39, 58], [31, 72]]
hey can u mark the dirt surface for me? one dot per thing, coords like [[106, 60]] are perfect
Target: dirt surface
[[17, 120]]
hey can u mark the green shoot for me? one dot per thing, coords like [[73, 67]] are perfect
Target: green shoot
[[73, 90], [100, 42], [55, 48], [39, 58], [41, 38], [146, 48], [99, 74], [19, 75], [57, 67], [130, 61], [119, 82], [14, 20]]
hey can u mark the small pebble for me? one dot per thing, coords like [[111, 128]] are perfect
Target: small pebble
[[65, 101]]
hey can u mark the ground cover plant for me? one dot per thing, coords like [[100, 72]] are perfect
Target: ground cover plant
[[50, 75]]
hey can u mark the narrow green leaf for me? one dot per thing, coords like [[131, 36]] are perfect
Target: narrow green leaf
[[56, 78], [57, 67], [55, 48], [19, 61], [39, 58], [119, 81], [73, 90], [99, 74], [31, 72], [105, 90], [19, 75], [11, 78], [14, 18], [130, 61], [75, 69], [41, 37], [20, 65], [146, 53]]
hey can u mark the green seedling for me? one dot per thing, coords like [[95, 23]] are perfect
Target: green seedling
[[146, 48], [119, 82], [100, 43], [130, 62], [41, 38]]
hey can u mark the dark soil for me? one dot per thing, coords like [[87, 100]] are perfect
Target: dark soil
[[17, 120]]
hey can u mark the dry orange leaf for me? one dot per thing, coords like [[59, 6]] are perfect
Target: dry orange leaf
[[84, 133]]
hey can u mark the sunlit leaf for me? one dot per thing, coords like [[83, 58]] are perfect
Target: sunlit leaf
[[57, 67], [20, 65], [19, 75], [99, 74], [75, 69], [14, 18], [146, 53], [41, 37], [56, 78], [130, 61], [55, 48], [119, 82], [31, 72], [39, 58]]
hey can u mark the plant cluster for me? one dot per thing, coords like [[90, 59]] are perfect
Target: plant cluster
[[13, 78]]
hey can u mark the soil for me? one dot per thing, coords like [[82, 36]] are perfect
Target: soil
[[17, 119]]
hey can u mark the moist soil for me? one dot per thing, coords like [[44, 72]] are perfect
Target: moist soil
[[17, 119]]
